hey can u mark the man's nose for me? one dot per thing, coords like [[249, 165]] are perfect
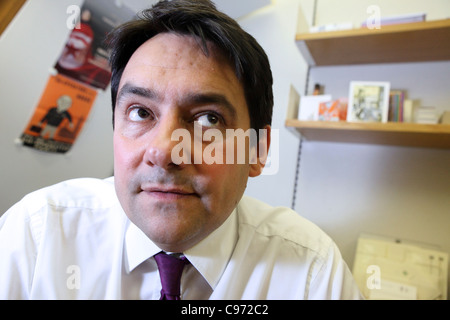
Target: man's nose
[[161, 144]]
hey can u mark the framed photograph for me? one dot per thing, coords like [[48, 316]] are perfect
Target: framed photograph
[[368, 101]]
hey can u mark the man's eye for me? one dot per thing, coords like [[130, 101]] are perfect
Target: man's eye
[[208, 120], [138, 114]]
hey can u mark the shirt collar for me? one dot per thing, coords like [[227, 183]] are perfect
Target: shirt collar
[[210, 256], [138, 247]]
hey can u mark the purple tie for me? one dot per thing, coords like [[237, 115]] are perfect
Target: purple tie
[[170, 270]]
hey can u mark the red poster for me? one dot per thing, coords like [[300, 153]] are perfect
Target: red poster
[[85, 54]]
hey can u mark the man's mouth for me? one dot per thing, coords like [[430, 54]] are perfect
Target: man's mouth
[[164, 192]]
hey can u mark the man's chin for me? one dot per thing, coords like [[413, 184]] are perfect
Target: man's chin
[[173, 238]]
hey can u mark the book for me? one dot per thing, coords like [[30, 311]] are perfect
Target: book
[[399, 19], [332, 27], [426, 115], [396, 105]]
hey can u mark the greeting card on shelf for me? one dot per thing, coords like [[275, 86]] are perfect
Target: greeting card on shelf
[[309, 107], [335, 110]]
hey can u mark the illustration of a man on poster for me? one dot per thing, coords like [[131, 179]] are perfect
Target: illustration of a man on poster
[[60, 115], [55, 116]]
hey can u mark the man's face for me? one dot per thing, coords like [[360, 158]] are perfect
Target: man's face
[[170, 84], [64, 103]]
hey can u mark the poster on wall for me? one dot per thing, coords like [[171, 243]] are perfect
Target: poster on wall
[[59, 116], [85, 55]]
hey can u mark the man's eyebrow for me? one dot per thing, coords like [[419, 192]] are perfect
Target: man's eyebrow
[[190, 99], [129, 89], [209, 98]]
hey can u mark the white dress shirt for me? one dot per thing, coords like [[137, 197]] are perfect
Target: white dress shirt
[[73, 241]]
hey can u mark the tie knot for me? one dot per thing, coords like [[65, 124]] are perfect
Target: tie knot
[[170, 270]]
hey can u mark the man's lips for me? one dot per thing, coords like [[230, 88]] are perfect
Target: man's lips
[[168, 191]]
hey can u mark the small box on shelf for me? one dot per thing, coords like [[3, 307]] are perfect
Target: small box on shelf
[[409, 105]]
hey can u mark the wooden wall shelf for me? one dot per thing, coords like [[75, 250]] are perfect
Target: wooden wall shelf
[[8, 10], [411, 42], [391, 133]]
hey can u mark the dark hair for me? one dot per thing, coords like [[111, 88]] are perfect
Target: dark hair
[[200, 19]]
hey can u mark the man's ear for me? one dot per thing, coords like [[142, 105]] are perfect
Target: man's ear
[[257, 167]]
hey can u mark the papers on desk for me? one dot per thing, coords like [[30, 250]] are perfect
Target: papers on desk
[[391, 269]]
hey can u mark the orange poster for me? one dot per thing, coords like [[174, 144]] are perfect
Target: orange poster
[[59, 115]]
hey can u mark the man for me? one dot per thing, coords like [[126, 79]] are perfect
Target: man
[[55, 116], [182, 67]]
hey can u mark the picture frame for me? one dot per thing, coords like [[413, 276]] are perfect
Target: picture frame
[[368, 101]]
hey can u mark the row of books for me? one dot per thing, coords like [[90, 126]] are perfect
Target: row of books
[[397, 112], [402, 109]]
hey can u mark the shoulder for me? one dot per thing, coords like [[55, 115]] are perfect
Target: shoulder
[[83, 192], [301, 252], [67, 207], [65, 201], [56, 226], [286, 224]]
